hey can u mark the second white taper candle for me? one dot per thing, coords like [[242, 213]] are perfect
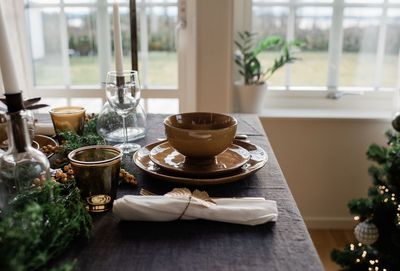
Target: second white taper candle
[[117, 40]]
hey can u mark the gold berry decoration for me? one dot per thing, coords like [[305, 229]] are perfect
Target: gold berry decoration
[[127, 177], [64, 175], [39, 181], [49, 149]]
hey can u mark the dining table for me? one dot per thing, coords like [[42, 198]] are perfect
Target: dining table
[[201, 244]]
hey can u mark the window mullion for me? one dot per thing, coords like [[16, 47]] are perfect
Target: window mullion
[[381, 48], [242, 22], [335, 45], [144, 44], [290, 36], [398, 73], [103, 39], [64, 46]]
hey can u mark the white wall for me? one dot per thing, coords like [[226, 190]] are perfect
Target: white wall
[[324, 163], [214, 55]]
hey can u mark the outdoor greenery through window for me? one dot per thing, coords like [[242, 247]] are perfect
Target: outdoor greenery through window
[[350, 44], [71, 44]]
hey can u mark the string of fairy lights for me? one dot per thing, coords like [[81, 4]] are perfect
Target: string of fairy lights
[[373, 264], [389, 198]]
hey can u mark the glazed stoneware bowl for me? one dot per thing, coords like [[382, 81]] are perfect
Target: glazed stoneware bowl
[[200, 136]]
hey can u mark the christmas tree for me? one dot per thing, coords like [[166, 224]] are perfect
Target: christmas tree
[[378, 230]]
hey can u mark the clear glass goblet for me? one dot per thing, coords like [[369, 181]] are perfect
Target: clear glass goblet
[[123, 94]]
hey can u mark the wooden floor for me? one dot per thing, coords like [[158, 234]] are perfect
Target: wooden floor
[[326, 240]]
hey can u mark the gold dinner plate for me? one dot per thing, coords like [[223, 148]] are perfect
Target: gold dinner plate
[[166, 157], [258, 158]]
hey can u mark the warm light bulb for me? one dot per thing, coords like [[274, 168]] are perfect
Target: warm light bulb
[[364, 254]]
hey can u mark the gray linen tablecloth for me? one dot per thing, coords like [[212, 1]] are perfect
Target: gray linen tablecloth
[[204, 245]]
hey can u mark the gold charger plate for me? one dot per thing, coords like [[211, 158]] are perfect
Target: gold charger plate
[[165, 156], [258, 158]]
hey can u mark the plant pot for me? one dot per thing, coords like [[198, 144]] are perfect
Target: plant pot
[[251, 97]]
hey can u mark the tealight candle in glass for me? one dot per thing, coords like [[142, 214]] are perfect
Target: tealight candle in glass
[[68, 118]]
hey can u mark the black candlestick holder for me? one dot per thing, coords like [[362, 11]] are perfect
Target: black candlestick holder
[[120, 86]]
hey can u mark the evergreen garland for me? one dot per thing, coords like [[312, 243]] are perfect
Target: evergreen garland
[[381, 208], [73, 141], [40, 224]]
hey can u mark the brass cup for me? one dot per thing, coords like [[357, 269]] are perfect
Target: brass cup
[[96, 170], [68, 118]]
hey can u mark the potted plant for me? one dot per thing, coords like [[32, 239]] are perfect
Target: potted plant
[[251, 91]]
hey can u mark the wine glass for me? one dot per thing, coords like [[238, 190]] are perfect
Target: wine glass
[[123, 94]]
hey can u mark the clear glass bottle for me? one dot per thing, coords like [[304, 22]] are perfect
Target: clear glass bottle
[[21, 167]]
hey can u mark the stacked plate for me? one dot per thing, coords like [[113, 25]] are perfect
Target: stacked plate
[[200, 150], [163, 162]]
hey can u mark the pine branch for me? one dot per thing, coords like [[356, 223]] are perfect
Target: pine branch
[[40, 224]]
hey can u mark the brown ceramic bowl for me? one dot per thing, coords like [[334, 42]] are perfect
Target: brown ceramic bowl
[[200, 135]]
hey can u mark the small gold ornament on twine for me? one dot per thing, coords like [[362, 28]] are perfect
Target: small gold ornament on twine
[[200, 197]]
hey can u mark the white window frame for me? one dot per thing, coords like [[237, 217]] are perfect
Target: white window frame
[[185, 33], [371, 100]]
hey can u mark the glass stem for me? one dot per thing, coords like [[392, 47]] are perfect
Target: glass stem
[[125, 130]]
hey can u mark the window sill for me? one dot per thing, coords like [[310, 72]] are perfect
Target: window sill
[[384, 115], [377, 105]]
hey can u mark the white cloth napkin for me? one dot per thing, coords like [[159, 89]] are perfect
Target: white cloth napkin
[[246, 211]]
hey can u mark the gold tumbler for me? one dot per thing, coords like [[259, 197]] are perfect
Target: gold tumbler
[[96, 170]]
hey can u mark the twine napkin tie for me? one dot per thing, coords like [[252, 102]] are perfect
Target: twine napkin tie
[[181, 203]]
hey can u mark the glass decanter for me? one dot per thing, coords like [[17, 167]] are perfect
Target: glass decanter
[[110, 126], [21, 167]]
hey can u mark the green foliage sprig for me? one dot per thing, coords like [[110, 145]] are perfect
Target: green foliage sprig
[[73, 141], [40, 224], [248, 62]]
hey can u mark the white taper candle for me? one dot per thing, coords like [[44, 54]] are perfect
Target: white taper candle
[[6, 61], [117, 40]]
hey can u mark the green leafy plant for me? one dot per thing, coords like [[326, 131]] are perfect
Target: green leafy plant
[[73, 141], [40, 224], [247, 58]]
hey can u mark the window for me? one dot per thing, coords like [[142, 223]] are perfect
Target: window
[[350, 44], [71, 44]]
